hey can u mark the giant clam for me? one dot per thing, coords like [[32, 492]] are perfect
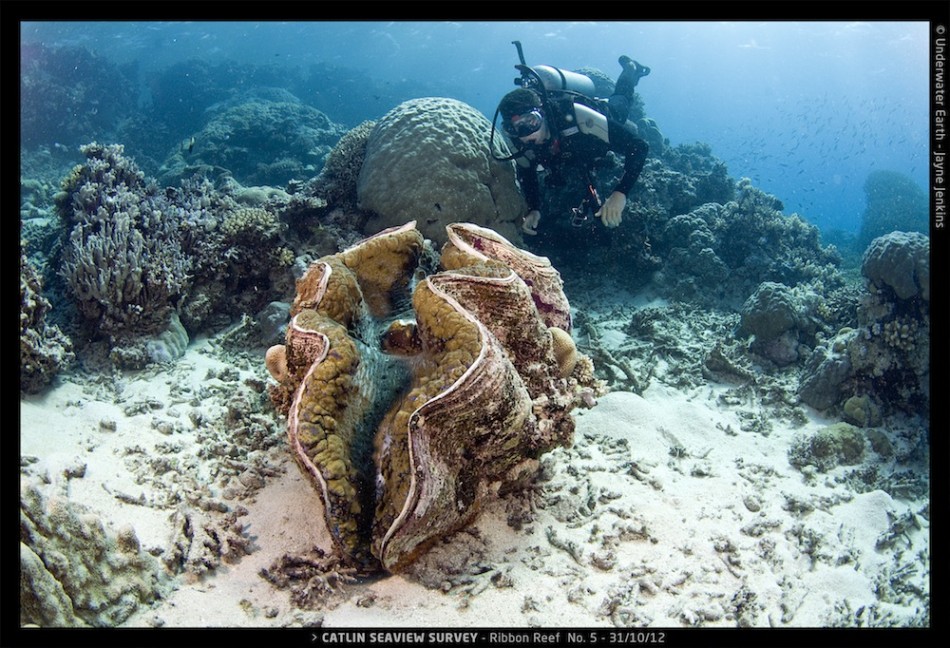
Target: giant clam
[[406, 422]]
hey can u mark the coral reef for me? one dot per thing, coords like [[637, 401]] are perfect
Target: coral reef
[[698, 177], [886, 357], [769, 312], [747, 239], [44, 348], [834, 445], [69, 95], [427, 160], [123, 263], [104, 579], [259, 142], [337, 181], [239, 255], [185, 93], [822, 383], [899, 261], [780, 319], [147, 268], [484, 394], [894, 203], [688, 227]]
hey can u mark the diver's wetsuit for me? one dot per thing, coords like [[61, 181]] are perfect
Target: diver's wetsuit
[[568, 146]]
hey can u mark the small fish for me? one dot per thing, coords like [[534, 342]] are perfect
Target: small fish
[[188, 145]]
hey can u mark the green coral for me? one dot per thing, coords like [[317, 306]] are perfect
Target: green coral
[[250, 224], [834, 445], [862, 411]]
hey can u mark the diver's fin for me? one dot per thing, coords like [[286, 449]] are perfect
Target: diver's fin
[[629, 65]]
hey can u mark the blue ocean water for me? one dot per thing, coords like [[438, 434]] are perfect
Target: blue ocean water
[[805, 109]]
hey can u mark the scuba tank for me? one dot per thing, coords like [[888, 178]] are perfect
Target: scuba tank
[[546, 78], [543, 79], [556, 79]]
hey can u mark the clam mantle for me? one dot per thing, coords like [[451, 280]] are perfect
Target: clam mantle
[[407, 421]]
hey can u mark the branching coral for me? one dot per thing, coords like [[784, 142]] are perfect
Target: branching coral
[[253, 224], [123, 263], [44, 349]]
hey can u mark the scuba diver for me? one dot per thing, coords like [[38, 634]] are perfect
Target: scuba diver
[[553, 121]]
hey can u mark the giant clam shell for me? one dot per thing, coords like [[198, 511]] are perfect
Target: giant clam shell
[[327, 375], [469, 244], [485, 393], [438, 456]]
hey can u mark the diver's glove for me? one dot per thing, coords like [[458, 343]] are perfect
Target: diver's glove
[[531, 220], [612, 211]]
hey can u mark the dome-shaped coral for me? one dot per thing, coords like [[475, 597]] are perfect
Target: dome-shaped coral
[[427, 160], [900, 261]]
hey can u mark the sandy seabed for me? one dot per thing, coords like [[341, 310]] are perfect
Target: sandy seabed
[[670, 510]]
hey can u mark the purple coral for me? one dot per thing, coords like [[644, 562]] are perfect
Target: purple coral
[[122, 260]]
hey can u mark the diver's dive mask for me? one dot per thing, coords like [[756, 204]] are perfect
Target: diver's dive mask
[[526, 124]]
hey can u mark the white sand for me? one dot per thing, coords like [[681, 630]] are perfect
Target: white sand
[[665, 512]]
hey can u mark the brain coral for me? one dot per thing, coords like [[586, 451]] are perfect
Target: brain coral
[[427, 160]]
